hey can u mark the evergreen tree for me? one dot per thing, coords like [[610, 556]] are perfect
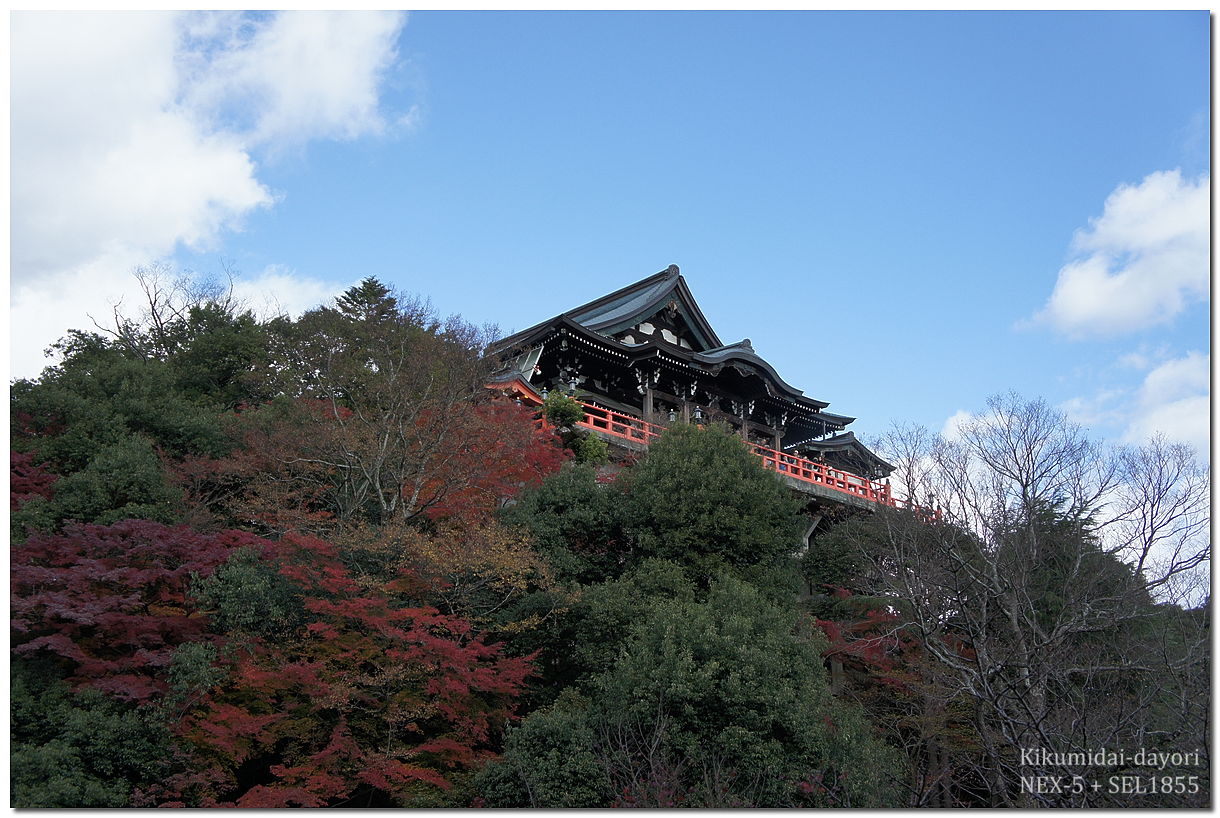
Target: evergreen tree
[[577, 524], [370, 301], [699, 497], [718, 703]]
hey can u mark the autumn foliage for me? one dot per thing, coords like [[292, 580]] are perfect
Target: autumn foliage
[[368, 694], [317, 629], [111, 601], [372, 697], [28, 479]]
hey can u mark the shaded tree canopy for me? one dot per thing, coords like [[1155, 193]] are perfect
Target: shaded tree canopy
[[717, 703]]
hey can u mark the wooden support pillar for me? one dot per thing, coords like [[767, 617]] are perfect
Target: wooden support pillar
[[647, 401]]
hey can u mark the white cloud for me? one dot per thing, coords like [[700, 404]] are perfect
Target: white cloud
[[103, 163], [278, 290], [1174, 401], [952, 429], [133, 134], [269, 79], [1140, 264], [1141, 359], [1103, 409]]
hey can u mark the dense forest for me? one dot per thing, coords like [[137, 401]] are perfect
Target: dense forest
[[317, 562]]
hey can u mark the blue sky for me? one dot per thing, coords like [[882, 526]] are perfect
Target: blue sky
[[905, 212]]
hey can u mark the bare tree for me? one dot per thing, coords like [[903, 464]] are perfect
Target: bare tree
[[1047, 591], [166, 300]]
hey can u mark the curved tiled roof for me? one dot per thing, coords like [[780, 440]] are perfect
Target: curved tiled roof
[[629, 305], [846, 443], [744, 352]]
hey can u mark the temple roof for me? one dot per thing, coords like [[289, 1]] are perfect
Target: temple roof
[[630, 305], [846, 444], [598, 321]]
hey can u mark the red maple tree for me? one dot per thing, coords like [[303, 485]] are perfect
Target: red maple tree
[[373, 701], [111, 601]]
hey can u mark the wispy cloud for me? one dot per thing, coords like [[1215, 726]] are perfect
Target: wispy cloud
[[1172, 400], [1140, 263], [135, 134], [290, 77]]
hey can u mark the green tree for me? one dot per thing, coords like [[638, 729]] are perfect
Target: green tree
[[699, 497], [565, 413], [247, 597], [106, 422], [583, 630], [100, 395], [723, 702], [549, 762], [215, 353], [369, 301], [123, 480], [577, 524], [79, 749]]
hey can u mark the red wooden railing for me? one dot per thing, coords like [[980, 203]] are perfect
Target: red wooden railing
[[617, 424], [811, 471], [627, 427]]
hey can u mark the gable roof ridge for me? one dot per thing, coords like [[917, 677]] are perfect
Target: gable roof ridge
[[643, 299], [634, 302], [668, 277]]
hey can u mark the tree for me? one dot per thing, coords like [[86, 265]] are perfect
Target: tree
[[877, 660], [549, 761], [31, 489], [100, 615], [79, 748], [576, 523], [478, 570], [110, 604], [283, 679], [276, 476], [720, 703], [369, 700], [1039, 591], [98, 396], [583, 628], [369, 301], [500, 452], [565, 413], [167, 299], [215, 350], [701, 498], [107, 423], [407, 395]]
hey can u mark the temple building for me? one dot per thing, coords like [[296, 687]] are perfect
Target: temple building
[[645, 356]]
